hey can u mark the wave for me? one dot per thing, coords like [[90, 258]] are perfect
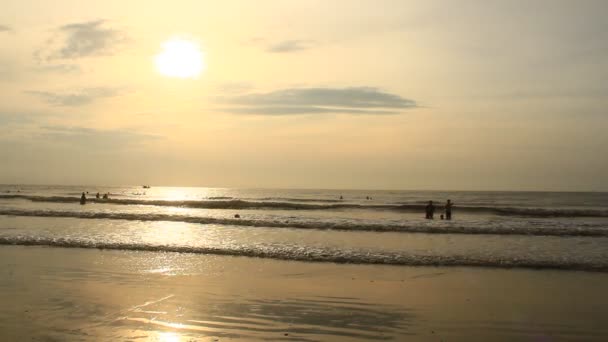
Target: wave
[[292, 199], [280, 199], [319, 225], [211, 203], [247, 204], [319, 255]]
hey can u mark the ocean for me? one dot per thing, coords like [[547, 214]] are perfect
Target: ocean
[[533, 230]]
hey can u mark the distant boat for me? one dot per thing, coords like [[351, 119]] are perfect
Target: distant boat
[[146, 187]]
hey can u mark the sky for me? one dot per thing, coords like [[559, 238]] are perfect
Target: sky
[[437, 95]]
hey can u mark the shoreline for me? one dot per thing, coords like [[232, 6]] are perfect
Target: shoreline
[[410, 261], [87, 294]]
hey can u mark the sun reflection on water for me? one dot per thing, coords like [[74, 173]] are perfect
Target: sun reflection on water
[[176, 195]]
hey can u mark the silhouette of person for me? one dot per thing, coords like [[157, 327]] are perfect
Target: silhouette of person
[[83, 199], [97, 195], [341, 197], [105, 196], [430, 210], [448, 210]]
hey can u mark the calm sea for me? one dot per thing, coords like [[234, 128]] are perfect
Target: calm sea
[[492, 229]]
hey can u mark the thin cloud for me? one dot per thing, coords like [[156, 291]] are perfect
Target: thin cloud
[[354, 100], [291, 46], [86, 39], [15, 118], [279, 110], [94, 138], [4, 28], [60, 68], [80, 98]]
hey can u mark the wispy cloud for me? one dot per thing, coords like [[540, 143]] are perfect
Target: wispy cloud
[[4, 28], [353, 100], [85, 39], [283, 46], [15, 118], [291, 46], [94, 139], [293, 110], [60, 68], [79, 98]]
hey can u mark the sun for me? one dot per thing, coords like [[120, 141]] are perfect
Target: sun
[[180, 58]]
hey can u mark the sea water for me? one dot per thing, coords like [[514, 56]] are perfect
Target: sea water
[[556, 230]]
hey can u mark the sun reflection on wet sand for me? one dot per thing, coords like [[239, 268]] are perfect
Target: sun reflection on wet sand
[[168, 337], [257, 319], [109, 295]]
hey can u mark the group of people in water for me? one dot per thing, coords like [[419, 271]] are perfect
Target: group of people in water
[[83, 198], [430, 210], [366, 197]]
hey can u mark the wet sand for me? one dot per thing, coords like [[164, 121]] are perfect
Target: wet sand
[[59, 294]]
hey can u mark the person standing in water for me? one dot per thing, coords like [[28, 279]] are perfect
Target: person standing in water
[[83, 199], [448, 210], [430, 210]]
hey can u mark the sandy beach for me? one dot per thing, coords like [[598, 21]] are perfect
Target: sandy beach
[[59, 294]]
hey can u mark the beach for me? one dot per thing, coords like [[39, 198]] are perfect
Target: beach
[[75, 294], [213, 264]]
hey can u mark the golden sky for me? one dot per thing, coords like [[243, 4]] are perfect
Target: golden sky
[[470, 95]]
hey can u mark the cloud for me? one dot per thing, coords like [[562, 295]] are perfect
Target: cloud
[[280, 110], [4, 28], [80, 98], [354, 100], [34, 130], [14, 118], [84, 39], [284, 46], [291, 46], [94, 139], [9, 70], [60, 68]]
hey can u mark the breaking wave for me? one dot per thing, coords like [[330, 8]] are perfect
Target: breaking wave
[[320, 255], [321, 225], [261, 204]]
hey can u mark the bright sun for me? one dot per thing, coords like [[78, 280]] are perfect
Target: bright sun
[[180, 58]]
